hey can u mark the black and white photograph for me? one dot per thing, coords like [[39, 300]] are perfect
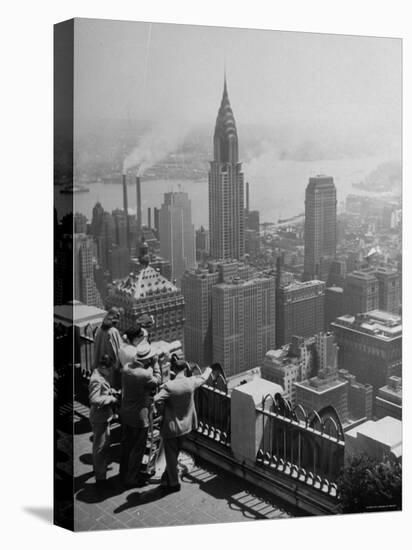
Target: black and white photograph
[[227, 274]]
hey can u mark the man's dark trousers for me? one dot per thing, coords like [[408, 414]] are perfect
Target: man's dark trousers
[[133, 448]]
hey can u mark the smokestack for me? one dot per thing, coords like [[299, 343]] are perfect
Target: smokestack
[[247, 197], [156, 219], [149, 218], [138, 206], [126, 209]]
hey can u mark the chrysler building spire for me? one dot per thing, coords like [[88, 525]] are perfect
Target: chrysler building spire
[[226, 190], [225, 138]]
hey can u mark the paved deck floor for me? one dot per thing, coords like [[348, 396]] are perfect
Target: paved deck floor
[[208, 494]]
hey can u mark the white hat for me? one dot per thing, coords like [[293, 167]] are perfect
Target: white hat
[[144, 351]]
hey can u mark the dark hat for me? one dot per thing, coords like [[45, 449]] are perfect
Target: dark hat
[[134, 332]]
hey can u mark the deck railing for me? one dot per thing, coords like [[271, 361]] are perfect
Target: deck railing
[[212, 401], [306, 447]]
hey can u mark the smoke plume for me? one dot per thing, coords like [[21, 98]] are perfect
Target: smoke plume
[[154, 146]]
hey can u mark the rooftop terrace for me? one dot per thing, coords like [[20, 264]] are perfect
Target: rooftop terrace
[[253, 456], [208, 495]]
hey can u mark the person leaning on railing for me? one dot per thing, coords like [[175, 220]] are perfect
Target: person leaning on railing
[[176, 398], [102, 398]]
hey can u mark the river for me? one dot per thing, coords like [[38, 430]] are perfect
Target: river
[[277, 188]]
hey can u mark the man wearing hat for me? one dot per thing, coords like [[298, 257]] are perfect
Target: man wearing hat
[[140, 379], [102, 397], [179, 416]]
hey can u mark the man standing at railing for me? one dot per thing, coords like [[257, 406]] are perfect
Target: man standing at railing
[[102, 398], [140, 379], [179, 416]]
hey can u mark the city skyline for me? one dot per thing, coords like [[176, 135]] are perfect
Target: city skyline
[[286, 304]]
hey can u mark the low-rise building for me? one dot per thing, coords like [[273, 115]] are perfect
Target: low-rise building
[[299, 310], [323, 390], [360, 397], [370, 346], [377, 439], [388, 401]]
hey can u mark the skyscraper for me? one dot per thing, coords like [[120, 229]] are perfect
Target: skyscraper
[[361, 292], [299, 310], [389, 283], [147, 291], [243, 321], [197, 288], [177, 233], [85, 288], [226, 188], [320, 227]]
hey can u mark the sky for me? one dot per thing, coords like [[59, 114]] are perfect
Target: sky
[[332, 84]]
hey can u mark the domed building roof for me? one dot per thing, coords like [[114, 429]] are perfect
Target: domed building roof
[[146, 283]]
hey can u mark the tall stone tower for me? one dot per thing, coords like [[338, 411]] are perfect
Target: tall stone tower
[[320, 227], [226, 188]]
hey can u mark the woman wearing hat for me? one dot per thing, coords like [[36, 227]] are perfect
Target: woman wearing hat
[[140, 378], [102, 397], [108, 339]]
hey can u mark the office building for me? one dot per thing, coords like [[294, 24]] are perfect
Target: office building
[[243, 322], [177, 233], [361, 292], [370, 346], [202, 244], [337, 272], [388, 401], [85, 289], [253, 220], [320, 227], [323, 386], [147, 291], [97, 220], [197, 287], [226, 188], [333, 304], [119, 262], [282, 369], [323, 390], [360, 397], [120, 228], [299, 310], [103, 230], [389, 285], [79, 223]]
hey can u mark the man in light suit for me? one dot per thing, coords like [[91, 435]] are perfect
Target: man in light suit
[[102, 398], [179, 416]]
